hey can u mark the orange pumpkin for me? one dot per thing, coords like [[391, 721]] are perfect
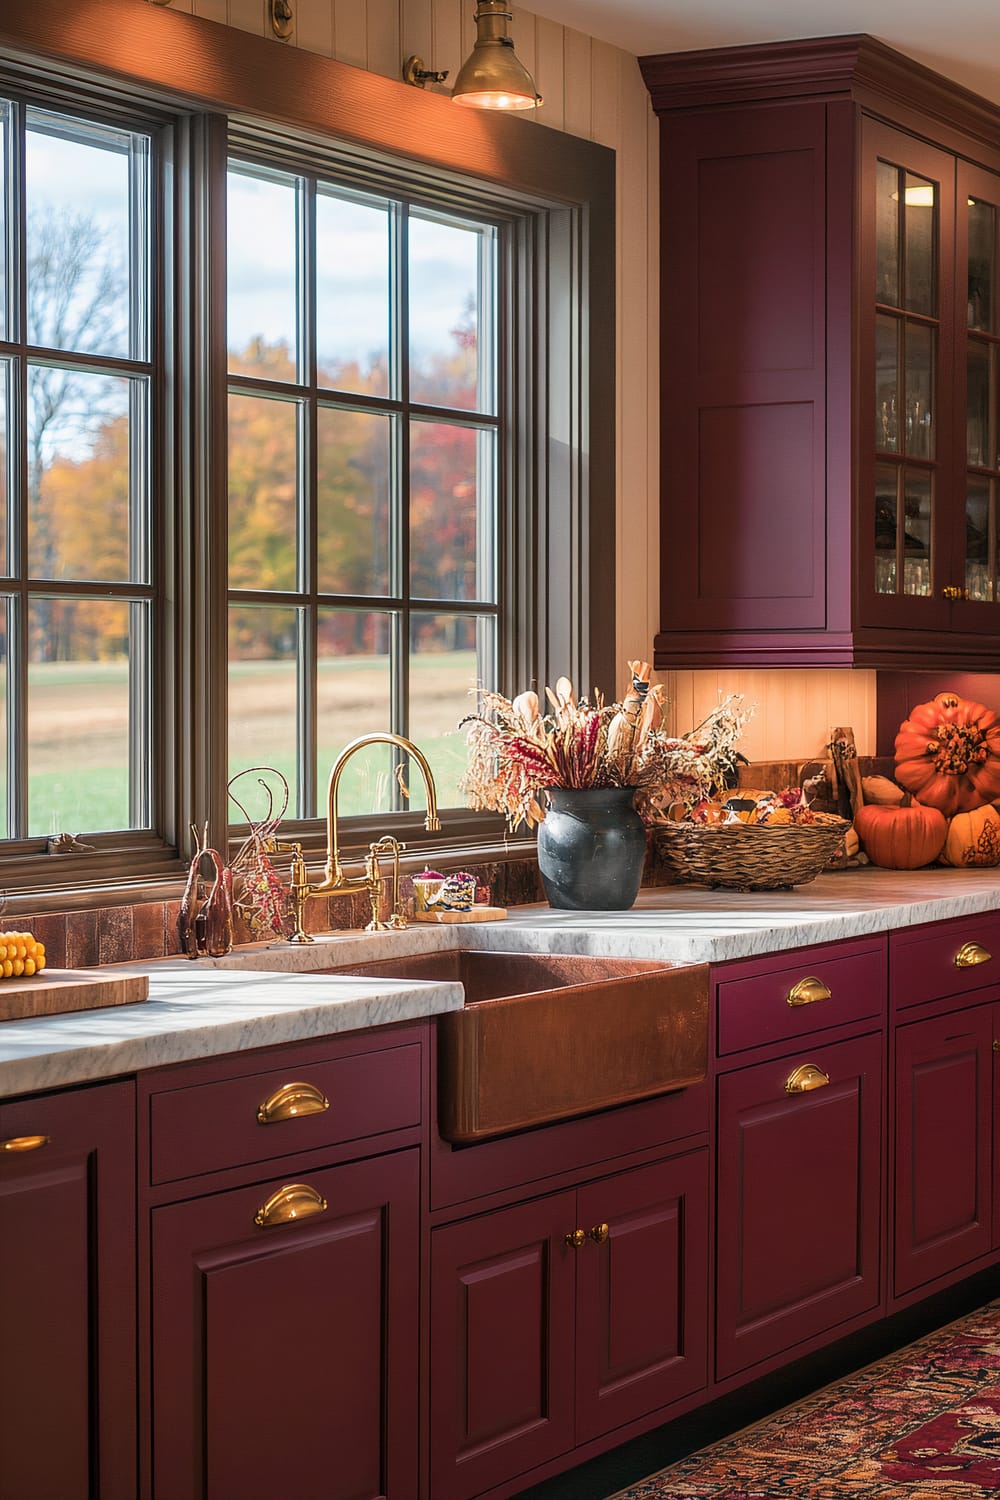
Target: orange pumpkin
[[973, 838], [901, 838], [948, 754]]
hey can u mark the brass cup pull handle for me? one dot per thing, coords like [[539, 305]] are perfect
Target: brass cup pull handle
[[952, 591], [805, 1078], [808, 991], [25, 1143], [291, 1101], [971, 954], [295, 1201], [599, 1233], [577, 1239]]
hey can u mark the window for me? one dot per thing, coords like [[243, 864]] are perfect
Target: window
[[75, 429], [305, 427], [364, 514]]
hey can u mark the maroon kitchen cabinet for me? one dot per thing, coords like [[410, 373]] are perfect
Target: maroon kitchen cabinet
[[642, 1298], [285, 1356], [799, 1198], [68, 1296], [944, 1141], [557, 1320], [995, 1176], [829, 384], [281, 1198]]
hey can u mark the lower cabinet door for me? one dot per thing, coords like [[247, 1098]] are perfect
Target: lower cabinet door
[[67, 1296], [799, 1190], [285, 1358], [642, 1292], [944, 1071], [995, 1011], [502, 1297]]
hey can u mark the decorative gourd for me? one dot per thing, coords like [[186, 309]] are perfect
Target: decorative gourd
[[973, 838], [882, 791], [948, 754], [901, 838]]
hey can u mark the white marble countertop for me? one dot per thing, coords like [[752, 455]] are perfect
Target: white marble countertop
[[214, 1006]]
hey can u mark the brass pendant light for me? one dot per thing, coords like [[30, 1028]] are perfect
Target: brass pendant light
[[491, 76]]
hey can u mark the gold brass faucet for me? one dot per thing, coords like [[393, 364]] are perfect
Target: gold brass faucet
[[334, 880]]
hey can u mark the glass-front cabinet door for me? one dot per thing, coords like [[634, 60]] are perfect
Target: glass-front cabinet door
[[907, 267], [975, 561]]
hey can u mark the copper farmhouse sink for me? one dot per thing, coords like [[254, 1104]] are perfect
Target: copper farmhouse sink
[[544, 1036]]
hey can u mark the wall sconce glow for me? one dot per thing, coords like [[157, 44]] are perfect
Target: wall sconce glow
[[491, 76]]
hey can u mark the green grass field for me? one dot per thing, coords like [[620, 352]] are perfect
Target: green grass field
[[78, 740]]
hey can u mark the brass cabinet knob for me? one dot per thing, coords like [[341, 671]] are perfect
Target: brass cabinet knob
[[599, 1233], [971, 954], [18, 1143], [291, 1101], [805, 1078], [295, 1201], [577, 1239], [950, 591], [808, 991]]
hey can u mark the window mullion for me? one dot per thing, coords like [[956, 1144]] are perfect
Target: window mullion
[[17, 626], [308, 506], [400, 482]]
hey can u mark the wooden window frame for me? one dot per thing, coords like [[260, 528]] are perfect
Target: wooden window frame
[[213, 88]]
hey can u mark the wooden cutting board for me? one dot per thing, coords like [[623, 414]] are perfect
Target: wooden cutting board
[[474, 914], [57, 990]]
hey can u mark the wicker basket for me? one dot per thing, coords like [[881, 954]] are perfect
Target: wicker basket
[[748, 856]]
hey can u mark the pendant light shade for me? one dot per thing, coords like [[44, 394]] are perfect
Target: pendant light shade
[[492, 77]]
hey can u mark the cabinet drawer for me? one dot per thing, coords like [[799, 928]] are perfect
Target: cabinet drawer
[[212, 1126], [949, 958], [821, 987]]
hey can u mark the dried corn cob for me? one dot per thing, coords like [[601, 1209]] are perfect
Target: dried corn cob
[[20, 955]]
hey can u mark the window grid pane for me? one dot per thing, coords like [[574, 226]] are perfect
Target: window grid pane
[[76, 538], [397, 510]]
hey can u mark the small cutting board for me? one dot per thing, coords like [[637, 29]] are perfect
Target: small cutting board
[[57, 990], [474, 914]]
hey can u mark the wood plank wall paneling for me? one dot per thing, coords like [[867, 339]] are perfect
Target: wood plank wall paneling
[[794, 711], [210, 10], [594, 90], [384, 31]]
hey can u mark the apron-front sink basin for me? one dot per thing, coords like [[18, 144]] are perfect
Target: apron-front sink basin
[[545, 1036]]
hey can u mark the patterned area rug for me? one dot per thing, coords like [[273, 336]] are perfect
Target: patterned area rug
[[922, 1424]]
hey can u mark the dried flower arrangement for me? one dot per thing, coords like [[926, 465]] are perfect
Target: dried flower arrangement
[[261, 895], [517, 751]]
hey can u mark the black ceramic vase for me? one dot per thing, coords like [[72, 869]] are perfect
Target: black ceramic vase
[[591, 848]]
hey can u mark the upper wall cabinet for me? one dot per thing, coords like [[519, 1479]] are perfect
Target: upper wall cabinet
[[830, 385]]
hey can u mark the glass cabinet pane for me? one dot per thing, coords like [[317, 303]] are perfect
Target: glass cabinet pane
[[886, 383], [919, 216], [887, 233], [917, 533], [919, 387], [886, 520], [982, 265], [977, 425], [980, 550]]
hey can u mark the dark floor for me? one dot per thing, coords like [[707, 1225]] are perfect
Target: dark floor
[[633, 1461]]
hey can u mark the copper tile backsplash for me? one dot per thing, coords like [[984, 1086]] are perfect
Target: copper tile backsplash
[[121, 934]]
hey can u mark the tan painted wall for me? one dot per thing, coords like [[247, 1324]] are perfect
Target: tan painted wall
[[595, 91]]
